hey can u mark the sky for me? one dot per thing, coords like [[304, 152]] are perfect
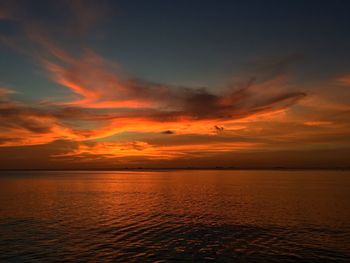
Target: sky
[[174, 84]]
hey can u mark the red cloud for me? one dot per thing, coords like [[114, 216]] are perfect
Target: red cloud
[[104, 102]]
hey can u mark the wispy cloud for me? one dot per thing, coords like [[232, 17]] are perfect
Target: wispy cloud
[[253, 113], [140, 149], [345, 79]]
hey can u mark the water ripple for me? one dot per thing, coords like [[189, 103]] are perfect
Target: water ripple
[[107, 218], [150, 240]]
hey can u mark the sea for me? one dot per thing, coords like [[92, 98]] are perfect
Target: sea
[[175, 216]]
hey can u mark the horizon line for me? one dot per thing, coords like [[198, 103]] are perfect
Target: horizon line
[[179, 168]]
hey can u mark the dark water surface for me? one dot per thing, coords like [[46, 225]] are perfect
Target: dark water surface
[[222, 216]]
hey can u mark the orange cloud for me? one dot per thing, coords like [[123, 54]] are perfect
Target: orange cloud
[[145, 150], [23, 125], [317, 123], [132, 105], [88, 77], [4, 92], [100, 86], [345, 80], [105, 102], [159, 121]]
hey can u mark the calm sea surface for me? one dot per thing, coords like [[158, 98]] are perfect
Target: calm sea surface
[[222, 216]]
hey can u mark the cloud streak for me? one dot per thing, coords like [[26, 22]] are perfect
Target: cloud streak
[[160, 121], [98, 85], [130, 105]]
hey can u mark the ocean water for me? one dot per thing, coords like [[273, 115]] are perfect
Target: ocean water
[[175, 216]]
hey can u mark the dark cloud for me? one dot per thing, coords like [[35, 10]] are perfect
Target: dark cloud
[[15, 116], [219, 129], [168, 132], [166, 104]]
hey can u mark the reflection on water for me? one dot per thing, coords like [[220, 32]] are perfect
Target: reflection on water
[[222, 216]]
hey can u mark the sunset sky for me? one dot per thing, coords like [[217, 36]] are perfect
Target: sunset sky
[[159, 84]]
